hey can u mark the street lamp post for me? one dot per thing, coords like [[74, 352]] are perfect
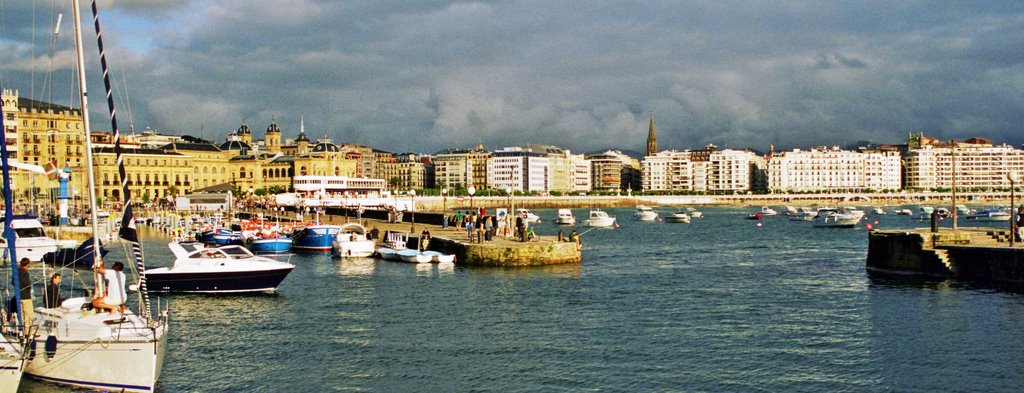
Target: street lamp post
[[471, 190], [412, 196], [508, 223], [1012, 177], [444, 200]]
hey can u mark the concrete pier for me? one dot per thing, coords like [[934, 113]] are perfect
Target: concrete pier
[[973, 254]]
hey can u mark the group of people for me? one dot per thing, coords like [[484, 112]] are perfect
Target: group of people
[[113, 298]]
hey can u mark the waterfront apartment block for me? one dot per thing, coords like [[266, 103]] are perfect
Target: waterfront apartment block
[[614, 170], [833, 170], [462, 168], [700, 170], [975, 164], [520, 169]]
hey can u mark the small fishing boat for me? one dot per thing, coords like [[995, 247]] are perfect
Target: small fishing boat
[[679, 216], [221, 237], [904, 212], [754, 216], [440, 257], [388, 254], [271, 243], [315, 238], [351, 242], [767, 211], [599, 218], [694, 213], [530, 216], [879, 211], [224, 269], [644, 213], [565, 217], [414, 256]]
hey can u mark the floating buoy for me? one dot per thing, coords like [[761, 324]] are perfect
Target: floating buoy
[[868, 226], [876, 222], [759, 224]]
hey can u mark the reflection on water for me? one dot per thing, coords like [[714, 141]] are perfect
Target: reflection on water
[[356, 266], [716, 305]]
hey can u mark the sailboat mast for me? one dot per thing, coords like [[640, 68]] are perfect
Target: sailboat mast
[[8, 230], [84, 96]]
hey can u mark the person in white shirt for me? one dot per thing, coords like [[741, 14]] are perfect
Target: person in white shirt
[[115, 295]]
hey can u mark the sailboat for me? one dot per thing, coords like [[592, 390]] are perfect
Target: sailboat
[[121, 351], [12, 356]]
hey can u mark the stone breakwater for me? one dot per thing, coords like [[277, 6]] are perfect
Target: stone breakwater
[[508, 253]]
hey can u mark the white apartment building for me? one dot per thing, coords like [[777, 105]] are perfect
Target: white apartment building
[[521, 170], [823, 169], [581, 175], [978, 166], [698, 170]]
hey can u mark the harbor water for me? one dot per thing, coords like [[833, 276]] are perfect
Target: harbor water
[[720, 304]]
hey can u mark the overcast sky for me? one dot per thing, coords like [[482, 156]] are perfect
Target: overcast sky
[[585, 75]]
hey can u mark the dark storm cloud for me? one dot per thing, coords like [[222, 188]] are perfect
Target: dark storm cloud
[[427, 75]]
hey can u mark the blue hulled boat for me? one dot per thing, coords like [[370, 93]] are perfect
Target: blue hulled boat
[[221, 237], [271, 245], [315, 238]]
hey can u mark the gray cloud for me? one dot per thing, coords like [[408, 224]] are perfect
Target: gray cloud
[[427, 75]]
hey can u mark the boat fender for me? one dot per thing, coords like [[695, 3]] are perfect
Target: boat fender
[[31, 349], [51, 347]]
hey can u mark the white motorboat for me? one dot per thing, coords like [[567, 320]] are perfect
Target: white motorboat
[[351, 242], [224, 269], [832, 218], [904, 212], [32, 242], [644, 213], [802, 214], [440, 257], [990, 215], [565, 217], [414, 256], [879, 211], [679, 216], [530, 217], [599, 218], [694, 213], [767, 211]]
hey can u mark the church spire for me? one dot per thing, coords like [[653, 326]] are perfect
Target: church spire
[[652, 139]]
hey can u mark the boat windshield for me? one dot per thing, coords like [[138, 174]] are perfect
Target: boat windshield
[[236, 252], [30, 232]]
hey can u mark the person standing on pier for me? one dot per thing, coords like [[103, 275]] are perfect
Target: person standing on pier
[[1020, 223]]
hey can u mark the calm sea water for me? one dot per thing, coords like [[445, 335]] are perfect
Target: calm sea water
[[716, 305]]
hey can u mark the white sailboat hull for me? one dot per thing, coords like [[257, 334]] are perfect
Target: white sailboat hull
[[94, 354], [10, 367]]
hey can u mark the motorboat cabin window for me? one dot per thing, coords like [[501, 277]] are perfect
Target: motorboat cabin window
[[30, 232]]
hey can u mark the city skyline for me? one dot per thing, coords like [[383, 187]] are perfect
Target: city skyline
[[428, 76]]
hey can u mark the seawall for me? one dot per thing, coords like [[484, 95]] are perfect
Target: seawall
[[975, 254]]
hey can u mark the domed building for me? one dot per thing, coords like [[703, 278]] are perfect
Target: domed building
[[272, 138]]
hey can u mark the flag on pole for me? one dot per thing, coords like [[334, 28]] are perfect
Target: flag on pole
[[51, 170]]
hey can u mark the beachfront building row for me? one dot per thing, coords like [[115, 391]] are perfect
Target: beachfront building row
[[973, 164]]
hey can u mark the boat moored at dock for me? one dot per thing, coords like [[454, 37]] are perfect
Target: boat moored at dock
[[229, 268]]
